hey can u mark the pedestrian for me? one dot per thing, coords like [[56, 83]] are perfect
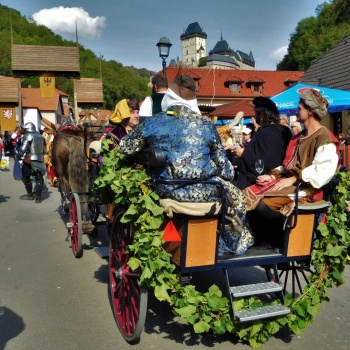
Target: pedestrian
[[32, 153]]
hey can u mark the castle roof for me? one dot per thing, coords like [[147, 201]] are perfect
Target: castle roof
[[193, 29]]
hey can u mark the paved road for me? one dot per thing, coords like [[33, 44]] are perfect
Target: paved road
[[52, 301]]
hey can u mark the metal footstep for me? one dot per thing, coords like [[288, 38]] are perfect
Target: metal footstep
[[254, 289], [102, 251], [262, 312]]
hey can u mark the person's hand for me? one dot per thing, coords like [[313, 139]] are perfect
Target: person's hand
[[238, 151], [283, 183], [228, 146], [18, 156], [263, 179], [347, 206], [236, 119]]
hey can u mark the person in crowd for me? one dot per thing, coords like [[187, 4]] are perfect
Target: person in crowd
[[125, 118], [152, 104], [248, 133], [342, 139], [194, 152], [2, 147], [312, 156], [269, 143], [296, 128], [32, 153], [284, 120]]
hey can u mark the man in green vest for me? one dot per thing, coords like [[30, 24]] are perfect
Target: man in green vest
[[152, 104]]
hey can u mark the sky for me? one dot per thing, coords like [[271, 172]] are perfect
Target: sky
[[128, 31]]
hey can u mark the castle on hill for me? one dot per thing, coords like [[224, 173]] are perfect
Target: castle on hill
[[193, 43]]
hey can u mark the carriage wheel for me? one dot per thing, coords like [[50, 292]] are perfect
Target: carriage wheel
[[76, 226], [128, 297], [94, 210]]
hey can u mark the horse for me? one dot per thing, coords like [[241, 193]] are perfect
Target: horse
[[69, 161]]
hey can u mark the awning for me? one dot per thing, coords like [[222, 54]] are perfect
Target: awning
[[288, 100]]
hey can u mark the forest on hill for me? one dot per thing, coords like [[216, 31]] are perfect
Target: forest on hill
[[118, 81]]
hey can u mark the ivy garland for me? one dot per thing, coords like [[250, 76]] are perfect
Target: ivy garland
[[211, 310]]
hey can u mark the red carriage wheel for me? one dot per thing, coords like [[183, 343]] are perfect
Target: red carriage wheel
[[76, 226], [128, 297]]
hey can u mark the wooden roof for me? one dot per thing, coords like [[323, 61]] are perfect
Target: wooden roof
[[30, 60], [9, 90], [89, 91]]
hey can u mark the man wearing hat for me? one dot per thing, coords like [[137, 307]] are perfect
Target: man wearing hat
[[194, 152], [269, 143], [312, 157]]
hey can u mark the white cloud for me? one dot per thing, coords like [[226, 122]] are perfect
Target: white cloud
[[63, 20], [279, 53]]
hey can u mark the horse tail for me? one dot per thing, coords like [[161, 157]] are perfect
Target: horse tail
[[77, 165]]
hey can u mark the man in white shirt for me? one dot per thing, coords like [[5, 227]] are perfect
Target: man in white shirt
[[152, 104]]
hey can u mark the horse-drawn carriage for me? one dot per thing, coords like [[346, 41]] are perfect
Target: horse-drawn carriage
[[159, 244], [76, 167]]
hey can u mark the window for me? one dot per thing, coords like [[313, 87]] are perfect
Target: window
[[234, 88]]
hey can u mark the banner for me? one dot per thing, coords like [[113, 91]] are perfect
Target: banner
[[47, 85], [7, 118]]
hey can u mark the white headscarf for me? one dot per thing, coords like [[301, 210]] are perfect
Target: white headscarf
[[172, 99]]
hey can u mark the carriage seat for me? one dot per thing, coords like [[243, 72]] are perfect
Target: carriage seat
[[171, 206]]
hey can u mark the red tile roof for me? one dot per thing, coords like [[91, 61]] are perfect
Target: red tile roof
[[31, 98], [211, 82]]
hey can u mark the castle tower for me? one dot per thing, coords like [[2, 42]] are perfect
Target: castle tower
[[193, 42]]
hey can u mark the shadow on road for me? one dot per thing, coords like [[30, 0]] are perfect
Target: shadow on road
[[11, 325]]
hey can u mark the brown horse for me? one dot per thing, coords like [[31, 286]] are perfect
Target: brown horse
[[69, 161]]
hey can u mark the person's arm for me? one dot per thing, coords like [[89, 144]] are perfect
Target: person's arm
[[323, 167], [133, 142], [219, 157]]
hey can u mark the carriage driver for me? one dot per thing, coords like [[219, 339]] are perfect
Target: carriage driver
[[32, 153]]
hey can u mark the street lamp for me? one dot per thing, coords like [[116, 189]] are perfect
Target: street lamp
[[164, 48]]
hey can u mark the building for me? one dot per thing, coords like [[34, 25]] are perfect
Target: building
[[35, 108], [223, 57], [193, 43], [219, 86]]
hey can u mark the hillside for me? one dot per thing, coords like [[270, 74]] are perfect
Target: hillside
[[118, 81]]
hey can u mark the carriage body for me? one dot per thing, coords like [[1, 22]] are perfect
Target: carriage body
[[193, 245]]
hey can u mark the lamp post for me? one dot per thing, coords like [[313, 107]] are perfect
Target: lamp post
[[164, 48]]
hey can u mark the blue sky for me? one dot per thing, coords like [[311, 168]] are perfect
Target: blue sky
[[128, 31]]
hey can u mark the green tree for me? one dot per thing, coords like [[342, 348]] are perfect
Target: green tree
[[313, 36]]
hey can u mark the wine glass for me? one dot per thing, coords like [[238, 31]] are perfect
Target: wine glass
[[259, 166]]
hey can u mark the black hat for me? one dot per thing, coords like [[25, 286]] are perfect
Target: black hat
[[184, 86], [264, 102]]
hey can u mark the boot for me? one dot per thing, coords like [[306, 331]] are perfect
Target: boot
[[29, 189], [37, 199], [38, 191], [28, 196]]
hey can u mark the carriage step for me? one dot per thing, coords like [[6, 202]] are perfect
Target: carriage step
[[102, 251], [254, 289], [262, 312]]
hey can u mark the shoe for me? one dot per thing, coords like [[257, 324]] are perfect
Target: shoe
[[29, 197], [225, 255], [37, 200]]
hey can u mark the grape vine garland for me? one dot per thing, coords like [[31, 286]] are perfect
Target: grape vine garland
[[211, 311]]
